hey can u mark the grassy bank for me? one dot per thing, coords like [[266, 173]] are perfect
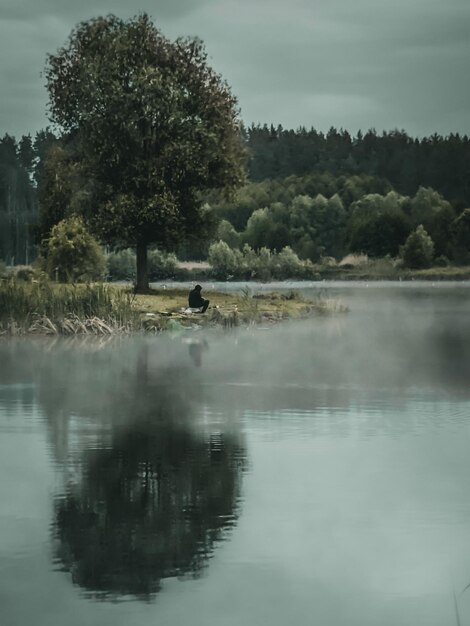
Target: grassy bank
[[102, 309], [48, 308]]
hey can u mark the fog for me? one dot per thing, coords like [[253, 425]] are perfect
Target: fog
[[255, 474]]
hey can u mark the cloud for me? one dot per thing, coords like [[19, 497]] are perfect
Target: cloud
[[28, 10], [321, 63]]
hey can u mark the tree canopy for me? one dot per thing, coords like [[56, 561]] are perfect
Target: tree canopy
[[151, 125]]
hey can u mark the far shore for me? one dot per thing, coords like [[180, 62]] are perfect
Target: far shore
[[200, 270]]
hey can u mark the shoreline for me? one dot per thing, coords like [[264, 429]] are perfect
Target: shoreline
[[159, 310]]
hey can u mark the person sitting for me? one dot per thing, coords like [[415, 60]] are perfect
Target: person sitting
[[196, 301]]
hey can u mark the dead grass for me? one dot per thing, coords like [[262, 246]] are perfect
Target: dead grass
[[354, 260], [262, 306], [51, 309]]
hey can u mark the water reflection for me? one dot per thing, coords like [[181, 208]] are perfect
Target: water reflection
[[147, 494], [358, 432], [151, 506], [196, 348]]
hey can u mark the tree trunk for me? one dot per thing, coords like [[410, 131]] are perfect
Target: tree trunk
[[142, 282]]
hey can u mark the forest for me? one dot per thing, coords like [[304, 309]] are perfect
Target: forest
[[322, 194]]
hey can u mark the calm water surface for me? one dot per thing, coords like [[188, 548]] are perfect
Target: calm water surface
[[314, 473]]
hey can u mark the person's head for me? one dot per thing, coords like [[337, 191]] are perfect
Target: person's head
[[198, 287]]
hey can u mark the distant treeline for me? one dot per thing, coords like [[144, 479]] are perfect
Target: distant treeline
[[21, 165], [319, 215], [442, 163], [322, 194]]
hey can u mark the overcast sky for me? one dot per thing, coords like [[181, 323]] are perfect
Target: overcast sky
[[354, 64]]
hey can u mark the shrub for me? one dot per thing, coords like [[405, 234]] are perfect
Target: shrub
[[25, 273], [225, 262], [441, 261], [461, 237], [161, 265], [3, 269], [262, 265], [121, 265], [328, 261], [73, 254], [288, 264], [226, 232], [24, 303], [418, 250], [354, 260], [379, 234]]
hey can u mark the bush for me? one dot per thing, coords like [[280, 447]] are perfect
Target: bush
[[73, 254], [3, 269], [26, 273], [418, 250], [461, 237], [225, 262], [226, 232], [263, 265], [288, 264], [442, 261], [24, 303], [354, 260], [161, 265], [121, 265]]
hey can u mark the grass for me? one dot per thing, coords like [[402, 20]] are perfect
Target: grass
[[249, 308], [64, 309], [100, 309]]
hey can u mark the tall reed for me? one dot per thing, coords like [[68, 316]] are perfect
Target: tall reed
[[22, 303]]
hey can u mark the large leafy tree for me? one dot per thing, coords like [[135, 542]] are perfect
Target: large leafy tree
[[154, 125]]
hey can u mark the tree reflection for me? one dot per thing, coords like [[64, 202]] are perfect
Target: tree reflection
[[152, 501]]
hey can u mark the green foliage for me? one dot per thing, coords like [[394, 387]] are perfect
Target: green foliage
[[64, 186], [161, 264], [26, 273], [257, 229], [418, 250], [165, 130], [226, 232], [73, 254], [121, 265], [261, 269], [285, 164], [3, 269], [225, 262], [393, 159], [262, 264], [18, 203], [287, 263], [317, 226], [378, 224], [431, 210], [22, 303], [460, 230]]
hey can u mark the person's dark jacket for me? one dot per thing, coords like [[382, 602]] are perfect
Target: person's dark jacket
[[195, 300]]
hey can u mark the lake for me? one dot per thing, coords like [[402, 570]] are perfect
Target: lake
[[316, 472]]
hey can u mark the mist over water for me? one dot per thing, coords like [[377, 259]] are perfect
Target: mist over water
[[314, 472]]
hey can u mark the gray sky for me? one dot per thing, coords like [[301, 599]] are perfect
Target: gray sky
[[352, 64]]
